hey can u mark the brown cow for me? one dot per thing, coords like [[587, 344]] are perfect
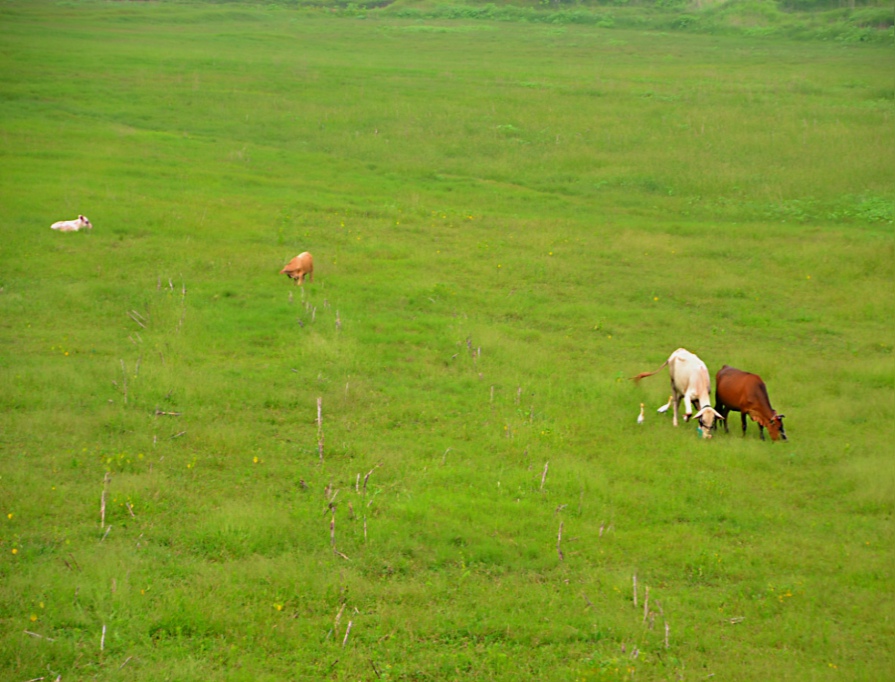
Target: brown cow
[[299, 267], [746, 393]]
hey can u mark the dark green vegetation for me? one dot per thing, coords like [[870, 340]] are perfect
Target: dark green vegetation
[[508, 220]]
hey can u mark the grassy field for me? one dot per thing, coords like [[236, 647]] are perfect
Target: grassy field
[[508, 220]]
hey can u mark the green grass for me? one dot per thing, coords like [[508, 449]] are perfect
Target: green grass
[[508, 220]]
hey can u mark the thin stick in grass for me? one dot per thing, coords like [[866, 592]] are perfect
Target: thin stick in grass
[[558, 541], [364, 498], [347, 631], [102, 503], [320, 428], [646, 604], [338, 618], [544, 475]]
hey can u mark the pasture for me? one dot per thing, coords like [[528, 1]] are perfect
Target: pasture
[[508, 220]]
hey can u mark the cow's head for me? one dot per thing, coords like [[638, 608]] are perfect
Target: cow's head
[[706, 419], [84, 222], [775, 427]]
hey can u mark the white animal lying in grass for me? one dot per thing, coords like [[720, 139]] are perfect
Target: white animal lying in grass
[[72, 225]]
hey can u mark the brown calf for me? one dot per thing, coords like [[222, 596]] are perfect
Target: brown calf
[[299, 267]]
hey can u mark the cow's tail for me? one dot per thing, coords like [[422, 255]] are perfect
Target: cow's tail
[[644, 375]]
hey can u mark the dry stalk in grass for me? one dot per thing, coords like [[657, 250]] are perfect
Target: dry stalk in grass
[[74, 562], [313, 313], [102, 500], [646, 603], [444, 456], [635, 590], [320, 428], [667, 631], [162, 413], [102, 639], [518, 395], [34, 634], [332, 529], [338, 618], [106, 534], [125, 662], [558, 541], [586, 600], [130, 509], [347, 631], [131, 315], [544, 475]]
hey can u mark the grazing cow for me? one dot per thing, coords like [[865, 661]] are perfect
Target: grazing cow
[[746, 393], [299, 267], [689, 381], [72, 225]]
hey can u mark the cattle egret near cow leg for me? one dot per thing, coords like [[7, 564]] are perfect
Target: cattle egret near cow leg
[[640, 418]]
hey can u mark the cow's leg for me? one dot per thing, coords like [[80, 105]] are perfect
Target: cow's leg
[[743, 420], [689, 407], [760, 431], [677, 408], [721, 409], [676, 401]]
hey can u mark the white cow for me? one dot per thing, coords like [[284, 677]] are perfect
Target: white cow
[[72, 225], [689, 381]]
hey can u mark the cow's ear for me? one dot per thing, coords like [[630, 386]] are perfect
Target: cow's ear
[[781, 416]]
